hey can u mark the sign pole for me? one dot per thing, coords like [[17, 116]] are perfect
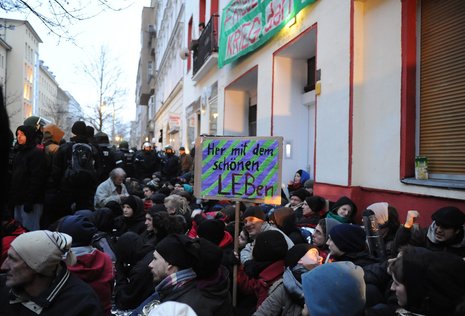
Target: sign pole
[[236, 251]]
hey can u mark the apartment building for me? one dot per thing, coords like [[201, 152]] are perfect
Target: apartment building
[[357, 89]]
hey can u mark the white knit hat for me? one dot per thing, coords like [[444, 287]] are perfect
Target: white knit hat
[[43, 250]]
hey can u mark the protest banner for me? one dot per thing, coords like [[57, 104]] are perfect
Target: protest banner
[[239, 169]]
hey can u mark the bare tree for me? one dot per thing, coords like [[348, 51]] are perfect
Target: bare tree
[[106, 76], [57, 110], [57, 15]]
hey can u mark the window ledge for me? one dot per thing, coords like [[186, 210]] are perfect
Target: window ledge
[[449, 184]]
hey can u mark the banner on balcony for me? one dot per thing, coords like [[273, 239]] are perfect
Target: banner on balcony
[[248, 24], [239, 169]]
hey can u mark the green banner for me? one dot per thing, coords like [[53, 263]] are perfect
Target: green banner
[[248, 24]]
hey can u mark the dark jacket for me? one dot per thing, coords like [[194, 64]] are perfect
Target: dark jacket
[[216, 297], [425, 238], [134, 280], [135, 223], [29, 171], [67, 295]]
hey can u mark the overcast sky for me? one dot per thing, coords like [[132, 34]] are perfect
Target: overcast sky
[[119, 31]]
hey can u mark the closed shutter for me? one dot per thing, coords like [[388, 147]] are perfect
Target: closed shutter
[[442, 86]]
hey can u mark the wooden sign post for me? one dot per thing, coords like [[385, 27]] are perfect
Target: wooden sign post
[[238, 169]]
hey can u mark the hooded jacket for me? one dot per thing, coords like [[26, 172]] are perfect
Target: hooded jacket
[[96, 269], [29, 171]]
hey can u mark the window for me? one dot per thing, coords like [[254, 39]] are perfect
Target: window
[[441, 88]]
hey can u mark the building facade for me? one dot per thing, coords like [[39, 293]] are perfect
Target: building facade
[[22, 67], [357, 89]]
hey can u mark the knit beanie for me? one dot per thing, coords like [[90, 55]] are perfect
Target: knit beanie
[[300, 193], [269, 245], [80, 228], [178, 251], [79, 129], [209, 257], [254, 211], [43, 250], [449, 216], [308, 184], [212, 229], [295, 254], [158, 198], [336, 288], [381, 212], [348, 238], [316, 203]]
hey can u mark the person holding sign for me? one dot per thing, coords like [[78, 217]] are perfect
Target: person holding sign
[[255, 224]]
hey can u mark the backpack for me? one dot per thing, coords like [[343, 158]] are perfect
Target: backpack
[[81, 168]]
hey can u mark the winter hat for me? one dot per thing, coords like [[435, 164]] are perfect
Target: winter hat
[[212, 229], [330, 223], [188, 188], [55, 132], [43, 250], [449, 216], [131, 201], [269, 245], [342, 293], [308, 184], [103, 219], [209, 257], [300, 193], [178, 250], [348, 237], [280, 214], [173, 309], [158, 198], [79, 129], [316, 203], [155, 208], [434, 281], [381, 212], [182, 148], [115, 207], [80, 228], [295, 254], [254, 211], [90, 131]]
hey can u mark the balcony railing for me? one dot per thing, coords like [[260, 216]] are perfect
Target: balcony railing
[[206, 44]]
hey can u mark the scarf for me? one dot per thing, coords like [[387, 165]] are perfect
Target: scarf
[[340, 219], [176, 280]]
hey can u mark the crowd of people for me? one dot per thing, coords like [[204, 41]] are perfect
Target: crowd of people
[[89, 229]]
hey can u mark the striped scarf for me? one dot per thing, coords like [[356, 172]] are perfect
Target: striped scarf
[[176, 280]]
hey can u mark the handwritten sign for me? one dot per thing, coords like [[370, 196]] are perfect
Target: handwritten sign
[[239, 168], [248, 24]]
